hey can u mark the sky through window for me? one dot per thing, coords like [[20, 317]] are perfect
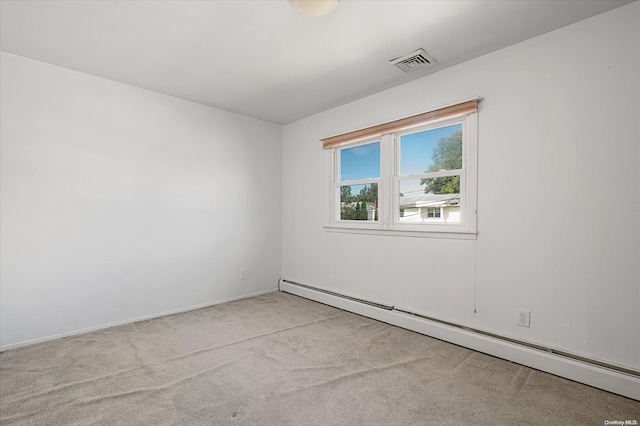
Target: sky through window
[[360, 162]]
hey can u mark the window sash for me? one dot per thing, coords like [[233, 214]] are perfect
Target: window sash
[[337, 204], [443, 173]]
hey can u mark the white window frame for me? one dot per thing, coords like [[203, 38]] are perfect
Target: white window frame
[[388, 186]]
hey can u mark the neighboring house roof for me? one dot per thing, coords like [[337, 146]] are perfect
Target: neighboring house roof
[[430, 200]]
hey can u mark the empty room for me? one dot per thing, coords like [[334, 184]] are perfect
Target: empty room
[[320, 212]]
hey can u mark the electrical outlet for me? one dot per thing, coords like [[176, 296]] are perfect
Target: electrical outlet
[[524, 318], [243, 274]]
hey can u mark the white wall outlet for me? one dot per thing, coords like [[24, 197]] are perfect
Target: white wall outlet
[[243, 273], [524, 318]]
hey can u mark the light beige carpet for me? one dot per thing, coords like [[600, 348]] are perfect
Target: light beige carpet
[[280, 359]]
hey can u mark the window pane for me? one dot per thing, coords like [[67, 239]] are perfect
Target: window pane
[[360, 162], [359, 202], [431, 150], [418, 206]]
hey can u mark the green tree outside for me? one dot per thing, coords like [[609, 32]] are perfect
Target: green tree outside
[[345, 194], [447, 155], [363, 211], [354, 207]]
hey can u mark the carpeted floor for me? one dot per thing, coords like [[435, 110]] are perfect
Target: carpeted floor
[[280, 359]]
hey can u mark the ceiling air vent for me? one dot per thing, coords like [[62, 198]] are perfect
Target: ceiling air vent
[[413, 61]]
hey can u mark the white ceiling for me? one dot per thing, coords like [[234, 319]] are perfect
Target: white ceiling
[[263, 59]]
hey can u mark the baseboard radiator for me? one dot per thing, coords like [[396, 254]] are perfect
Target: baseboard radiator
[[629, 379]]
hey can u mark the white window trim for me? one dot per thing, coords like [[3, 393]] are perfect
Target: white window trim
[[388, 186]]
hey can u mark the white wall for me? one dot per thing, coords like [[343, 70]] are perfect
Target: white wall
[[120, 203], [559, 196]]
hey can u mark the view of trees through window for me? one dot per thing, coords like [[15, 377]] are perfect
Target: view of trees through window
[[447, 155], [359, 202]]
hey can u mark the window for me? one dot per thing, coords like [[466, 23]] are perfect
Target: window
[[358, 184], [415, 176]]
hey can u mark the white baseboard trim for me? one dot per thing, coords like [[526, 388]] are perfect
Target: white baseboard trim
[[602, 378], [130, 320]]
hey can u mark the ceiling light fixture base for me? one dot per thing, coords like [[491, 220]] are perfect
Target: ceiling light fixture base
[[314, 7]]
